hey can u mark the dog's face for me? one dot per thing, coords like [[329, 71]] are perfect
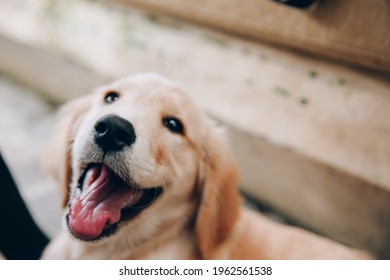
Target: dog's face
[[137, 156]]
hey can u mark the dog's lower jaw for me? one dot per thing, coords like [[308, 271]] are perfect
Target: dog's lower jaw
[[180, 246], [102, 201], [167, 239]]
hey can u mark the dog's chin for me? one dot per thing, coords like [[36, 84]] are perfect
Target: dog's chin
[[103, 201]]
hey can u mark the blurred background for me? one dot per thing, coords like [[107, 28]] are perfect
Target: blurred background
[[304, 92]]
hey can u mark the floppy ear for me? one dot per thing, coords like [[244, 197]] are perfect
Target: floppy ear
[[220, 201], [58, 153]]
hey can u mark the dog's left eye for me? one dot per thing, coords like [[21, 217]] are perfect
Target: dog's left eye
[[111, 96], [174, 125]]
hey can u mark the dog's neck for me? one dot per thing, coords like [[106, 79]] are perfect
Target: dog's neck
[[180, 246]]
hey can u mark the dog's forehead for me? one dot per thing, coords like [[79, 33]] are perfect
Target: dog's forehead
[[147, 87], [153, 90]]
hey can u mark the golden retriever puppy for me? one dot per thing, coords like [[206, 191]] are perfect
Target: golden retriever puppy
[[146, 175]]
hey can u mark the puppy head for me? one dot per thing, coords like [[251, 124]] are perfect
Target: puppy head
[[138, 154]]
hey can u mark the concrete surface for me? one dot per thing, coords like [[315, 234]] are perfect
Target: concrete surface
[[26, 122]]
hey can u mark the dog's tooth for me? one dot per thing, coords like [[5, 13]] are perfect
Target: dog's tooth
[[91, 175], [88, 180]]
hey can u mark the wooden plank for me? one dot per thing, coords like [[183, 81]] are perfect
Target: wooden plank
[[335, 29]]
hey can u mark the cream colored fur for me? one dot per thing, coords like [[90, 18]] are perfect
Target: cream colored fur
[[200, 213]]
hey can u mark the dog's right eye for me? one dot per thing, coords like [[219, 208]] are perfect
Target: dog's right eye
[[174, 125], [111, 96]]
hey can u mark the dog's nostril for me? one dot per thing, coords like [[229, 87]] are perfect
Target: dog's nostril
[[101, 127], [113, 133]]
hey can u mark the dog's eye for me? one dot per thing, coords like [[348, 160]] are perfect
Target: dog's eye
[[174, 125], [111, 97]]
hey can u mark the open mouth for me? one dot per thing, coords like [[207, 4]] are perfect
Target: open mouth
[[103, 200]]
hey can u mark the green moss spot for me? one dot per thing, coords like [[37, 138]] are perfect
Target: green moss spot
[[281, 91], [313, 74], [263, 57], [216, 40], [163, 21], [341, 81], [303, 101]]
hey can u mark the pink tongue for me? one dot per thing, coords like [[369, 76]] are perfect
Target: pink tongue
[[100, 203]]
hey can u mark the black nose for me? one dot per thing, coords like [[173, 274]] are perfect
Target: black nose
[[113, 133]]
